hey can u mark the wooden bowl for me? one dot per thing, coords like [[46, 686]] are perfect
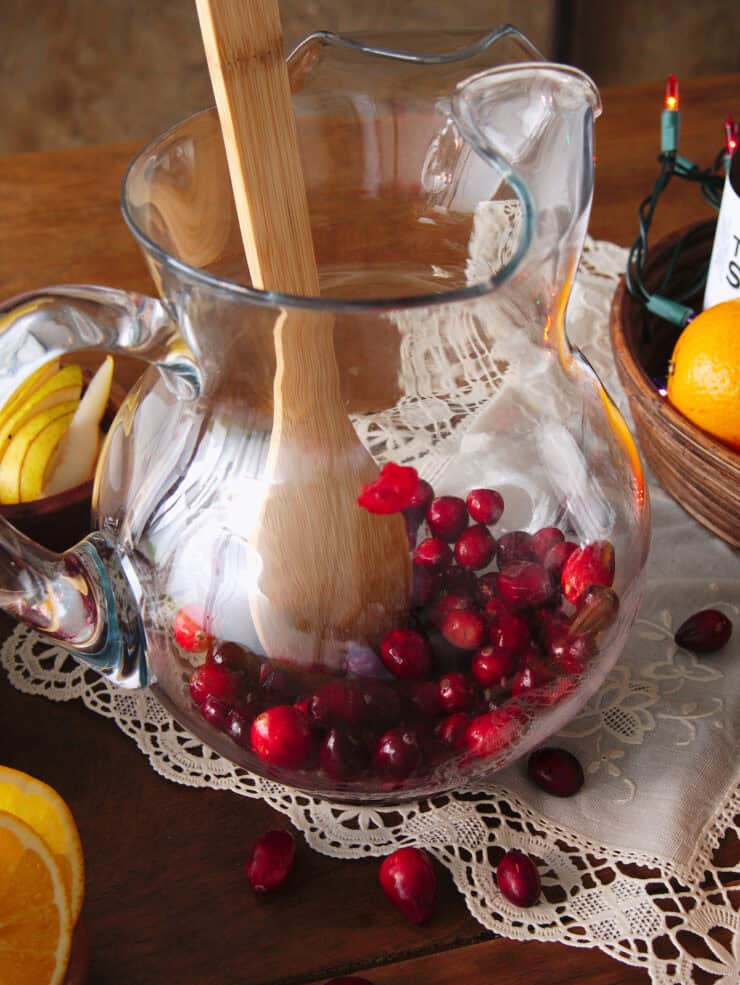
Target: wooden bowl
[[700, 472]]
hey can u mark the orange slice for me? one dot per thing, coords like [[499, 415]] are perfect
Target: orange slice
[[35, 919], [43, 809]]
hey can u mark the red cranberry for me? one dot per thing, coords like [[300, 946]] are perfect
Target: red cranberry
[[704, 632], [424, 586], [343, 754], [495, 730], [494, 608], [464, 629], [451, 730], [337, 702], [416, 508], [407, 654], [381, 705], [422, 698], [398, 753], [544, 539], [487, 587], [556, 771], [277, 681], [551, 623], [234, 657], [212, 680], [447, 517], [270, 861], [392, 491], [459, 581], [534, 674], [409, 881], [450, 603], [282, 736], [491, 665], [238, 724], [485, 505], [518, 878], [188, 629], [509, 631], [475, 547], [556, 557], [570, 651], [597, 610], [214, 712], [514, 546], [525, 583], [587, 566], [550, 694], [455, 692], [433, 553]]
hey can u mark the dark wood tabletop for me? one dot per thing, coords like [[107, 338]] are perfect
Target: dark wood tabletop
[[166, 900]]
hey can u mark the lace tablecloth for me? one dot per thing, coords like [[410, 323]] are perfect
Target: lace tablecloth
[[630, 864]]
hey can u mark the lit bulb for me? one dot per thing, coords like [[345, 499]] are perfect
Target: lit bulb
[[730, 135], [671, 93]]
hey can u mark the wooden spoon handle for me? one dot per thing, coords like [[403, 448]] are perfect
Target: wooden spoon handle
[[244, 49]]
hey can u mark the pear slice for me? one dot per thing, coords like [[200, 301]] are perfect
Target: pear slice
[[76, 456], [63, 386], [40, 453], [22, 393], [14, 458]]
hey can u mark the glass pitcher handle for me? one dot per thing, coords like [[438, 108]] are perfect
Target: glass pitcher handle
[[86, 599]]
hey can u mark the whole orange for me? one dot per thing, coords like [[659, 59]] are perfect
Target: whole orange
[[704, 372]]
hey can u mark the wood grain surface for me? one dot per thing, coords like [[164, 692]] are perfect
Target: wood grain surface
[[166, 901]]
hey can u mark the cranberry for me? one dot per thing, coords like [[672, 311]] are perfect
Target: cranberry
[[450, 603], [704, 632], [455, 692], [415, 510], [525, 583], [433, 553], [212, 680], [490, 665], [270, 861], [451, 730], [392, 491], [238, 724], [277, 681], [551, 623], [423, 699], [597, 610], [514, 546], [570, 651], [282, 736], [544, 539], [447, 517], [188, 629], [485, 505], [343, 754], [587, 566], [508, 631], [406, 653], [534, 674], [550, 694], [495, 730], [381, 705], [475, 547], [408, 879], [493, 608], [235, 657], [459, 581], [464, 629], [556, 771], [214, 711], [424, 586], [397, 753], [487, 587], [518, 878], [336, 702], [556, 558]]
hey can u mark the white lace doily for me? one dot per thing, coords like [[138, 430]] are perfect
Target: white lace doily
[[629, 865]]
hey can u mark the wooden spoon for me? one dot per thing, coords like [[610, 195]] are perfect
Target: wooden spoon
[[331, 572]]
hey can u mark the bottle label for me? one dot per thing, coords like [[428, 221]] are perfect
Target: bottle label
[[723, 279]]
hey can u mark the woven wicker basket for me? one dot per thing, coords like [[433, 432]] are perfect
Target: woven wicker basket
[[701, 473]]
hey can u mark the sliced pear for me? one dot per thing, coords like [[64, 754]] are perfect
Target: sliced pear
[[13, 460], [23, 392], [75, 458], [63, 386], [39, 454]]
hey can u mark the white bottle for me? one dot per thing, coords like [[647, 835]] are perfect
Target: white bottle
[[723, 279]]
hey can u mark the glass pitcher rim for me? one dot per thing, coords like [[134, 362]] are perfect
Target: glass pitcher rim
[[278, 299]]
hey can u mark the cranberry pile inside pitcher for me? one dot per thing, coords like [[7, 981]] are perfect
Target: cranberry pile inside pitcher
[[502, 626]]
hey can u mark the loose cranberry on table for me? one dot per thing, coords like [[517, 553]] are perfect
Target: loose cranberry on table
[[433, 553], [398, 753], [556, 771], [464, 629], [455, 692], [705, 632], [475, 547], [485, 505], [270, 861], [406, 654], [518, 878], [408, 879], [590, 565], [189, 631], [447, 517], [213, 680], [282, 736]]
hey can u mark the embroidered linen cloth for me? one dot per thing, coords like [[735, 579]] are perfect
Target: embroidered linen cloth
[[629, 865]]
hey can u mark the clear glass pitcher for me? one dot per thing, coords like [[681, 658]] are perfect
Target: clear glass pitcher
[[443, 587]]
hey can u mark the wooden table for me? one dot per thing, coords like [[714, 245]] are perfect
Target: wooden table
[[166, 900]]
